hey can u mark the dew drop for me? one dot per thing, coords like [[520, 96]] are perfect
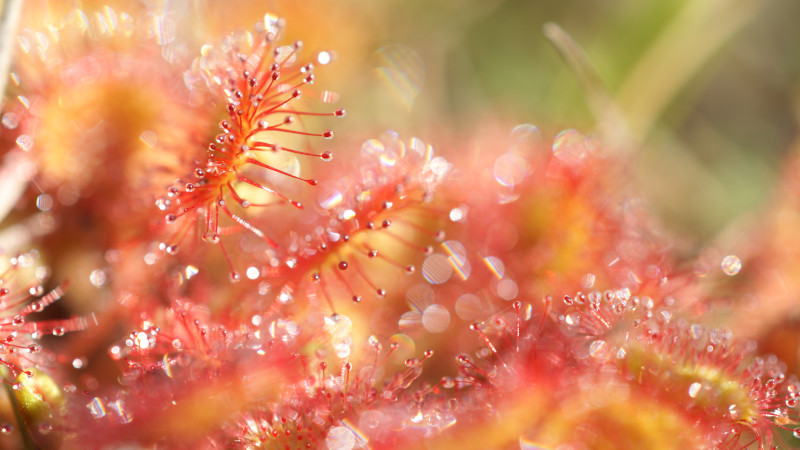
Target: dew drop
[[456, 214], [18, 321], [731, 265], [569, 146], [796, 432], [10, 120], [340, 438], [694, 389], [510, 170], [234, 276], [435, 318], [6, 429], [507, 289], [25, 142], [469, 307], [170, 218], [326, 156], [44, 202], [436, 269], [327, 134], [598, 349], [343, 265], [59, 331]]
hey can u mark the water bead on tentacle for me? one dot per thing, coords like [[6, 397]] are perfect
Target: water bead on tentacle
[[19, 299], [260, 83], [374, 225], [705, 372], [22, 357]]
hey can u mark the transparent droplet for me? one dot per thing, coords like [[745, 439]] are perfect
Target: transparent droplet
[[694, 388], [44, 202], [339, 327], [97, 408], [458, 258], [340, 438], [191, 271], [25, 142], [457, 214], [97, 278], [495, 265], [436, 269], [324, 58], [731, 265], [402, 71], [330, 198], [374, 148], [598, 349], [252, 272], [525, 138], [271, 24], [469, 307], [569, 146], [164, 29], [410, 321], [507, 289], [10, 120], [435, 318], [149, 138], [403, 346], [510, 169]]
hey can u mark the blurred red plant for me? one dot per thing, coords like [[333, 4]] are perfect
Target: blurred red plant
[[466, 257]]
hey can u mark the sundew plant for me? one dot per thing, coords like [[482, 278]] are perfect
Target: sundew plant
[[536, 226]]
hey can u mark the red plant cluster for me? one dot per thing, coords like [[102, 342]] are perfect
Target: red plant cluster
[[516, 296]]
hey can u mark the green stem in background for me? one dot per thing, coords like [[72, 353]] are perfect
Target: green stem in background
[[27, 440], [699, 30], [9, 18], [611, 122]]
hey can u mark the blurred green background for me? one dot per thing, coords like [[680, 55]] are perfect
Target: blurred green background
[[709, 88]]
